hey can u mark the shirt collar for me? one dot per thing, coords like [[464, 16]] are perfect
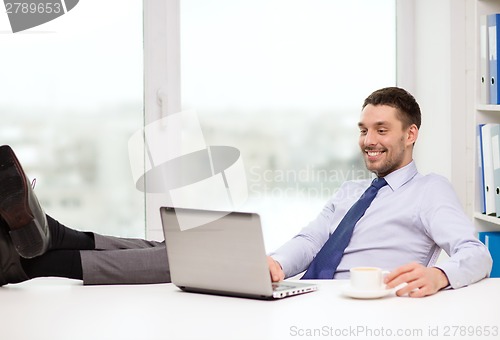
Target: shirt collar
[[398, 178]]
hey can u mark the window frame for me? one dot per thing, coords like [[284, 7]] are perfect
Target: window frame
[[162, 78]]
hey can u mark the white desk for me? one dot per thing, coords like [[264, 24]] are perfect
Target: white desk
[[64, 309]]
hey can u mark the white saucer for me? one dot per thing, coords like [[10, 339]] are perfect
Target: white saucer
[[349, 291]]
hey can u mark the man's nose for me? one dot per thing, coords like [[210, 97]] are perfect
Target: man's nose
[[370, 138]]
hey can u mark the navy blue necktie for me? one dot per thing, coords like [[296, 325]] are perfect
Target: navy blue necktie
[[328, 258]]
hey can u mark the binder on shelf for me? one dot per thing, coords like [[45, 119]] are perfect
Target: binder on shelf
[[482, 235], [492, 242], [492, 20], [491, 239], [495, 153], [483, 46], [488, 173], [480, 173]]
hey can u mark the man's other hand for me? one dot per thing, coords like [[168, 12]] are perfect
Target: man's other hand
[[421, 281]]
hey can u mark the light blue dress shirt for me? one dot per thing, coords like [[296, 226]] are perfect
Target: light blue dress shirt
[[409, 219]]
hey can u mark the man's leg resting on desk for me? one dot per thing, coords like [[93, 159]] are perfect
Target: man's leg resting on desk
[[107, 260], [33, 244], [125, 261]]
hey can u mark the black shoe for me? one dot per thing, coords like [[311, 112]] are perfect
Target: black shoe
[[20, 209], [11, 270]]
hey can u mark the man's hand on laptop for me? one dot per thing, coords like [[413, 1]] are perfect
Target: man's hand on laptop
[[275, 270]]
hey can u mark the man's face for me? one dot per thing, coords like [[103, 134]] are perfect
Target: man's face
[[385, 145]]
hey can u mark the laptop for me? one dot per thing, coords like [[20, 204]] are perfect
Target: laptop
[[221, 253]]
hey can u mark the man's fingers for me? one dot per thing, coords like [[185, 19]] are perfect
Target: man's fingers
[[275, 270], [420, 281], [418, 293], [275, 275], [399, 271], [404, 274], [407, 277], [411, 288]]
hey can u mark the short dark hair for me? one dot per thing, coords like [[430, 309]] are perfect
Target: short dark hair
[[400, 99]]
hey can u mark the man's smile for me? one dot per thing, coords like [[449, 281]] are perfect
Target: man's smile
[[374, 154]]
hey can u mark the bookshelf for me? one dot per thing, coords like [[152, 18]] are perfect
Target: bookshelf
[[483, 113]]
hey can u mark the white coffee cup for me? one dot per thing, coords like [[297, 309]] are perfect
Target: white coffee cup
[[368, 278]]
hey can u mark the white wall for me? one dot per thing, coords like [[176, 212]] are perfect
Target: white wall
[[438, 83]]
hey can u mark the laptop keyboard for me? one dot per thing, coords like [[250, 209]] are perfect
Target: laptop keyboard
[[278, 287]]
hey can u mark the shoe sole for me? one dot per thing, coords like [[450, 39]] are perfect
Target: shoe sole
[[27, 234]]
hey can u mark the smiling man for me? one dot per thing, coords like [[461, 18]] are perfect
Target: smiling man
[[386, 144], [409, 220]]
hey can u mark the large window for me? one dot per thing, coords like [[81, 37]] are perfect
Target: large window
[[284, 81], [71, 96]]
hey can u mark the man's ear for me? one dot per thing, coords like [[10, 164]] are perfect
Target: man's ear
[[412, 134]]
